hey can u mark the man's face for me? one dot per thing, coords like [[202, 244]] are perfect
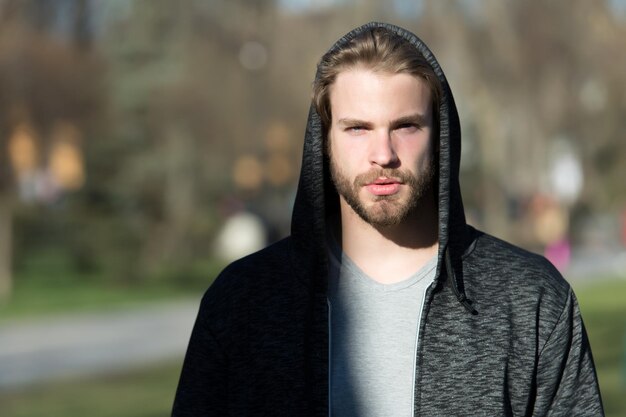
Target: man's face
[[380, 146]]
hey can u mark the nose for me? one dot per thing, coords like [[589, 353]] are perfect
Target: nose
[[382, 151]]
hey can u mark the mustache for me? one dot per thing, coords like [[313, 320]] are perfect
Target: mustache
[[391, 173]]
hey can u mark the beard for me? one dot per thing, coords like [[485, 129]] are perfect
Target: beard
[[386, 210]]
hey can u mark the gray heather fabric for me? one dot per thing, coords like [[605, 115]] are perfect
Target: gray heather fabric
[[373, 336], [500, 333]]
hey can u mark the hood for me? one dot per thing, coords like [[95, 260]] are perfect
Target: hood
[[316, 196]]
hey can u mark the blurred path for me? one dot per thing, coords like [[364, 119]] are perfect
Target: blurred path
[[77, 345]]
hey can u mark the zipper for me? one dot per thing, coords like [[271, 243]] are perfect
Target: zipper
[[329, 354], [421, 324], [417, 338]]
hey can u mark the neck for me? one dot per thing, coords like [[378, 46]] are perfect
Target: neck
[[392, 253]]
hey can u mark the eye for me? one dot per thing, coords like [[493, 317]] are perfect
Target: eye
[[408, 127], [356, 130]]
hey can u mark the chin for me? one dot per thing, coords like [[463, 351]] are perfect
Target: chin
[[385, 214]]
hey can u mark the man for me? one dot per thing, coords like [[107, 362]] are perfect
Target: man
[[383, 302]]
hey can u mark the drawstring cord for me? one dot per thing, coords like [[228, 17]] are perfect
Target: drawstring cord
[[458, 289]]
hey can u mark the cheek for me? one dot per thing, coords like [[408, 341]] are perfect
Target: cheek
[[415, 150], [339, 150]]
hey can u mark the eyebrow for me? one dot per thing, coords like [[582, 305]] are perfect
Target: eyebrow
[[416, 118], [352, 122]]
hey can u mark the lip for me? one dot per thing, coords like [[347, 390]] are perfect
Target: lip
[[385, 180], [384, 186]]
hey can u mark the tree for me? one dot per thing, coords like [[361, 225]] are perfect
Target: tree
[[44, 82]]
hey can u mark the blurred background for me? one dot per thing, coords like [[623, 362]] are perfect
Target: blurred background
[[146, 143]]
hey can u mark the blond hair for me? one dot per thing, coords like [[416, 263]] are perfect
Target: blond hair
[[379, 50]]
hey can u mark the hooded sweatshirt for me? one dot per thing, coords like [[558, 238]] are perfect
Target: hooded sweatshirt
[[500, 332]]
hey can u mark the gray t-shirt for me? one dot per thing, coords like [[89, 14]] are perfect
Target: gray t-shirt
[[373, 339]]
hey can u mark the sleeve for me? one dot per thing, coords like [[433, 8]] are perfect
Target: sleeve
[[567, 384], [203, 385]]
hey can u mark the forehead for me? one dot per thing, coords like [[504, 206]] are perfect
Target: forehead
[[367, 94]]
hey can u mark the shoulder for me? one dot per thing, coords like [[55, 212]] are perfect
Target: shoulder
[[266, 267], [268, 260], [502, 260], [254, 281], [515, 277]]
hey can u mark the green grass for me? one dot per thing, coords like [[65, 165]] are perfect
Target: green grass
[[49, 283], [603, 306], [140, 393], [34, 298]]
